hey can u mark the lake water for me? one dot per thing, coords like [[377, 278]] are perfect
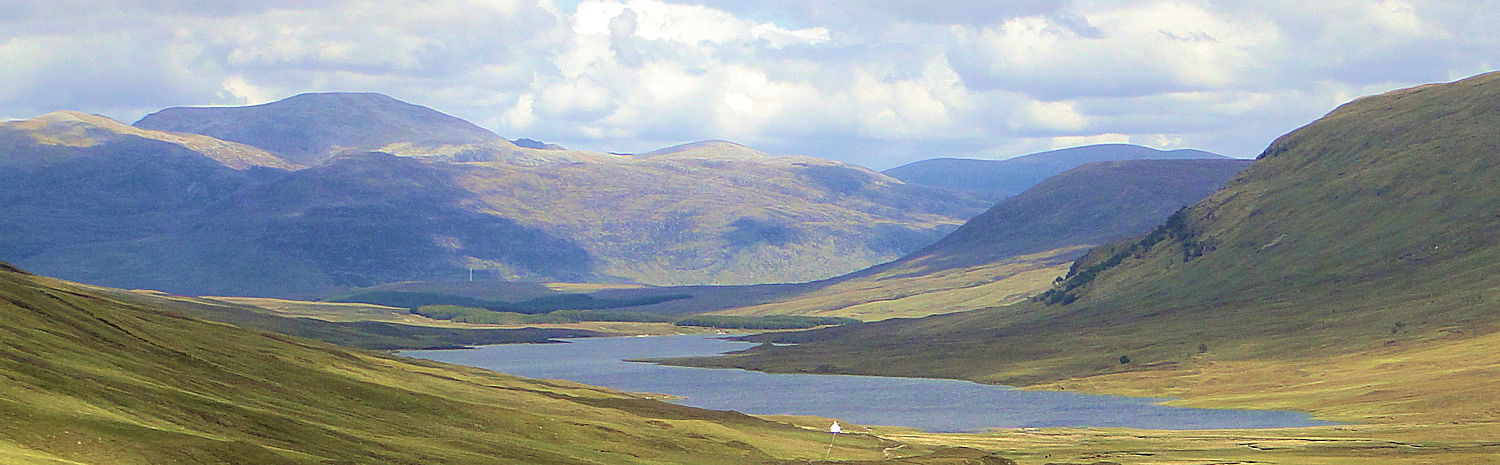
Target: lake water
[[931, 404]]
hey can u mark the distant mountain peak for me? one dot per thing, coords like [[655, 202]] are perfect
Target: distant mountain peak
[[997, 179], [346, 96], [312, 128], [722, 150], [78, 129]]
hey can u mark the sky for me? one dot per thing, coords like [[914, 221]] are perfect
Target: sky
[[875, 82]]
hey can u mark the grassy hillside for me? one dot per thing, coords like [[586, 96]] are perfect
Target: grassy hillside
[[366, 327], [899, 292], [997, 179], [1366, 239], [90, 379]]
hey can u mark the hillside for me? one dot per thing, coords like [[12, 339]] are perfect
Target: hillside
[[90, 379], [1367, 238], [72, 134], [742, 218], [204, 216], [1015, 249], [997, 179], [73, 179], [1088, 205]]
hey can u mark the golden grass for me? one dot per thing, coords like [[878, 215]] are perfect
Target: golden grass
[[906, 293], [330, 311], [1435, 400], [1444, 378], [348, 312], [102, 381], [1331, 445]]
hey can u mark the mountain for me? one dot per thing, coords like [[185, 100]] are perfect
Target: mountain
[[313, 128], [1089, 205], [719, 150], [1019, 246], [91, 379], [998, 179], [536, 144], [74, 179], [376, 218], [205, 216], [1350, 271], [720, 213], [71, 134]]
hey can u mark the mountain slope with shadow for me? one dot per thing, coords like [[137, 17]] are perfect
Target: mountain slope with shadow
[[1366, 239]]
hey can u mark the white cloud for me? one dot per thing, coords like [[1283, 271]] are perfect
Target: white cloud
[[1164, 142], [521, 115], [1131, 50], [1074, 141], [577, 99], [687, 24], [1401, 18], [1048, 117], [242, 92]]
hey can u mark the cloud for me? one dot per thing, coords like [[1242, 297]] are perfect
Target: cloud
[[1074, 141], [1048, 117], [878, 82], [622, 30], [1132, 51]]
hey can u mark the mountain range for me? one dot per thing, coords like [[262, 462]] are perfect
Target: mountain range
[[326, 191], [995, 180]]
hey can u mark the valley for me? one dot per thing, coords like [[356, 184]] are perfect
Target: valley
[[1347, 272]]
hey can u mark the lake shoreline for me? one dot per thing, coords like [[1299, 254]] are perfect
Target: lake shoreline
[[933, 405]]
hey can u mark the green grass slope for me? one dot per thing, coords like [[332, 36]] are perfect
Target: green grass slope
[[359, 333], [91, 379], [1366, 232]]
